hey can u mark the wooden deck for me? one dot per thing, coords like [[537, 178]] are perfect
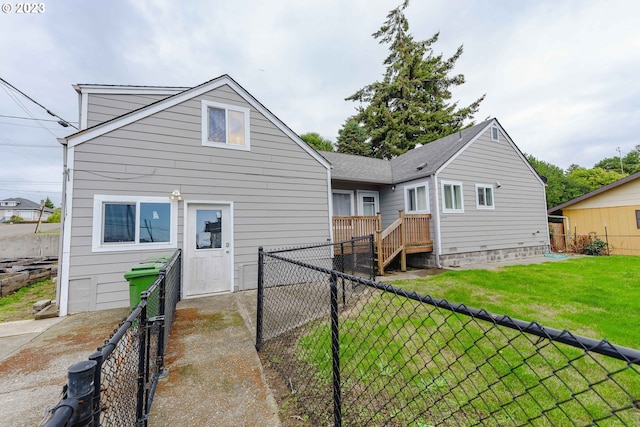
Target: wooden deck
[[409, 234]]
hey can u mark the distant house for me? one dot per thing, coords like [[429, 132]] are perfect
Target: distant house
[[23, 208], [208, 169], [611, 212], [484, 201]]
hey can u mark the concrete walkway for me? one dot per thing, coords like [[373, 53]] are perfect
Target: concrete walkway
[[215, 376]]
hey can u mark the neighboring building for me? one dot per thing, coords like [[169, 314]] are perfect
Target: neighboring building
[[486, 201], [611, 212], [206, 169], [25, 209]]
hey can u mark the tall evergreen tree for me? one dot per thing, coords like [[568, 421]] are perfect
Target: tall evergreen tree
[[411, 104], [352, 139]]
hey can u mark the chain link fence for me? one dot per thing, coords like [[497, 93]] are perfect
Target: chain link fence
[[357, 352], [116, 386]]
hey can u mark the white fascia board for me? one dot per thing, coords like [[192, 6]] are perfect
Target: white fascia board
[[129, 90], [63, 298]]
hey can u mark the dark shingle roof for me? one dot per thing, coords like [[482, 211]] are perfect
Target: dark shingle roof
[[428, 158], [26, 204], [348, 167]]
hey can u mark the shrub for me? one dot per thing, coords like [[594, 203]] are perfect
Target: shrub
[[55, 216], [16, 218]]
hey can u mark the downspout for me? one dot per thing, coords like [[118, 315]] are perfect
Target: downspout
[[438, 247]]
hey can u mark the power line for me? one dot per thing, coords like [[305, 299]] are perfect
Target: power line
[[62, 121], [30, 118]]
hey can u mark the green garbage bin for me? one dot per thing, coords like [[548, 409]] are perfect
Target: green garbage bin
[[140, 277]]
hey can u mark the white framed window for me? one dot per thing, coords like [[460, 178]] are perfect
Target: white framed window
[[368, 204], [225, 126], [495, 134], [416, 198], [125, 223], [484, 196], [343, 203], [452, 197]]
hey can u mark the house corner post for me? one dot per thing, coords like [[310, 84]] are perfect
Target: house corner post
[[259, 308]]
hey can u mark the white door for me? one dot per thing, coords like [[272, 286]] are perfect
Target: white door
[[208, 248]]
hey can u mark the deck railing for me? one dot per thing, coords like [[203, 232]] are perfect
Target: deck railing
[[410, 233], [347, 227]]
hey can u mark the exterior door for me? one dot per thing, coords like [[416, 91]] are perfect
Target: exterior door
[[208, 248]]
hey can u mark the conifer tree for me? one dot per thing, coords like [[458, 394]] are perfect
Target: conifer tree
[[411, 105]]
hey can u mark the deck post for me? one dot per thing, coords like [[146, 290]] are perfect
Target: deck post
[[380, 255], [403, 253]]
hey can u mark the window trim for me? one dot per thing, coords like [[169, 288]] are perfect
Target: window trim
[[226, 107], [361, 194], [494, 127], [96, 233], [493, 197], [414, 186], [453, 184], [351, 201]]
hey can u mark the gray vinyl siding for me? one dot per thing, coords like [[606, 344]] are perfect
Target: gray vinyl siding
[[519, 218], [102, 107], [390, 202], [279, 191]]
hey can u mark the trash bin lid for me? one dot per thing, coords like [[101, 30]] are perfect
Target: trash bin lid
[[146, 269]]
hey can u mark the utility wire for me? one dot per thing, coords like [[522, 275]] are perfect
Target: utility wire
[[30, 118], [62, 121]]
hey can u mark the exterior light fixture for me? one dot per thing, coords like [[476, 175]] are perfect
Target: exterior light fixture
[[176, 195]]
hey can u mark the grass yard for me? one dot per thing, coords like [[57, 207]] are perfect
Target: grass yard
[[598, 297], [19, 305], [407, 363]]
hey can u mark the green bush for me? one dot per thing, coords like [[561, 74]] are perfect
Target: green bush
[[55, 216], [596, 247], [16, 219]]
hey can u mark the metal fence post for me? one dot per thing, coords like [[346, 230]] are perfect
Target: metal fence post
[[97, 384], [335, 352], [161, 331], [372, 274], [81, 388], [142, 350], [260, 298]]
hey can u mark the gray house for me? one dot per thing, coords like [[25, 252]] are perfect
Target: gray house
[[476, 194], [24, 208], [206, 169]]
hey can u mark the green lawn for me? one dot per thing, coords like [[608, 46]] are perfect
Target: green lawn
[[407, 363], [19, 305], [598, 297]]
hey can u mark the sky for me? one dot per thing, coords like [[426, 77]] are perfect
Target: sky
[[561, 76]]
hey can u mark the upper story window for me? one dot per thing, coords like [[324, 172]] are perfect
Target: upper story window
[[416, 198], [123, 223], [225, 126], [495, 135], [452, 197], [484, 196]]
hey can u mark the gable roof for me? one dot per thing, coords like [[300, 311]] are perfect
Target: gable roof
[[416, 163], [349, 167], [595, 192], [25, 204], [155, 107], [427, 159]]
